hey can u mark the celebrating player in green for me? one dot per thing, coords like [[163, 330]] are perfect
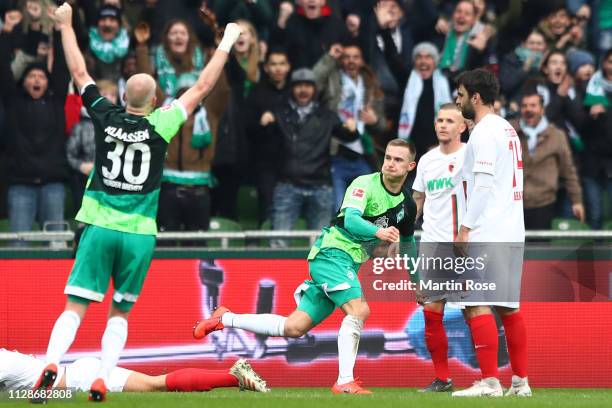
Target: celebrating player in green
[[374, 209], [120, 203]]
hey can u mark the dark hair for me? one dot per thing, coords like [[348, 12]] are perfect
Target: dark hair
[[532, 92], [607, 54], [184, 62], [555, 51], [404, 143], [277, 51], [480, 81]]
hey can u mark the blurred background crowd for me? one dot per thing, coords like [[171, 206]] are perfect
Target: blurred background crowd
[[311, 94]]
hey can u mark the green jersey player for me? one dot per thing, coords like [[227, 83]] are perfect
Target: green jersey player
[[374, 210], [120, 202]]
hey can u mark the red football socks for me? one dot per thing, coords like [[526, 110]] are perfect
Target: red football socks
[[516, 337], [197, 379], [484, 336], [437, 343]]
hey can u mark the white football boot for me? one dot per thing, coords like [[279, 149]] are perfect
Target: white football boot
[[487, 387], [247, 377], [520, 387]]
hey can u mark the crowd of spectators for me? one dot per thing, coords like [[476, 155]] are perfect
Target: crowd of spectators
[[311, 94]]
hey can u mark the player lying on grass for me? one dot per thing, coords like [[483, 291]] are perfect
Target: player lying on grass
[[20, 371], [374, 211]]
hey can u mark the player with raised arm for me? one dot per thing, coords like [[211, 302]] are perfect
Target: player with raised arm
[[20, 371], [374, 210], [493, 169], [440, 196], [120, 203]]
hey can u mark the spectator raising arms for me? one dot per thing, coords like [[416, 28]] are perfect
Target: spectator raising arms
[[35, 117]]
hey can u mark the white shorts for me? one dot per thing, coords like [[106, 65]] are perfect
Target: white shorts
[[505, 264], [82, 373]]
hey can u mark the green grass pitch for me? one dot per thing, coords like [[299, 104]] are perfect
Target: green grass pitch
[[322, 397]]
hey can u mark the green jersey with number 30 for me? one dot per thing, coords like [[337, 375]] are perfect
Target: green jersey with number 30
[[379, 206], [123, 189]]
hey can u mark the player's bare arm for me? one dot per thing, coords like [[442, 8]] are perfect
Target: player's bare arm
[[419, 199], [210, 74], [74, 57]]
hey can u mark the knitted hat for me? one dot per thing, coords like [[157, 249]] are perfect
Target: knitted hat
[[109, 11], [578, 58], [428, 48]]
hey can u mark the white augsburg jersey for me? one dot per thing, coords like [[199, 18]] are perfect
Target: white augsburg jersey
[[494, 148], [439, 176], [21, 371]]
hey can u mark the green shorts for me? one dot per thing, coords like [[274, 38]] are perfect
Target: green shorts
[[104, 254], [334, 282]]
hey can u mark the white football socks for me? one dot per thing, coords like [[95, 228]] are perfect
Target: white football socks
[[113, 342], [266, 324], [62, 336], [348, 344]]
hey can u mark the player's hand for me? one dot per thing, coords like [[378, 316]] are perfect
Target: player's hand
[[390, 234], [63, 15], [232, 32], [142, 33], [393, 250], [267, 118], [461, 242], [578, 211], [11, 19]]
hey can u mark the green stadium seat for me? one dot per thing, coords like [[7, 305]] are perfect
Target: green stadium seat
[[569, 224], [220, 224]]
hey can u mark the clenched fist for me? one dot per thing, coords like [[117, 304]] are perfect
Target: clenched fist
[[63, 15]]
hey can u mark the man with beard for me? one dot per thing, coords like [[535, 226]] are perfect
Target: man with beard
[[349, 87], [547, 158], [109, 42], [426, 91], [493, 169]]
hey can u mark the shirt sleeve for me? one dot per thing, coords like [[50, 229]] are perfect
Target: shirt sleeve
[[356, 225], [168, 119], [96, 105], [356, 196], [485, 155]]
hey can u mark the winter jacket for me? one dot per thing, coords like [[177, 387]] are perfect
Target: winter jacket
[[36, 146], [303, 147]]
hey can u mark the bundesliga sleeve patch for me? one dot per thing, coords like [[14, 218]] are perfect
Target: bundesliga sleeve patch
[[358, 193]]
